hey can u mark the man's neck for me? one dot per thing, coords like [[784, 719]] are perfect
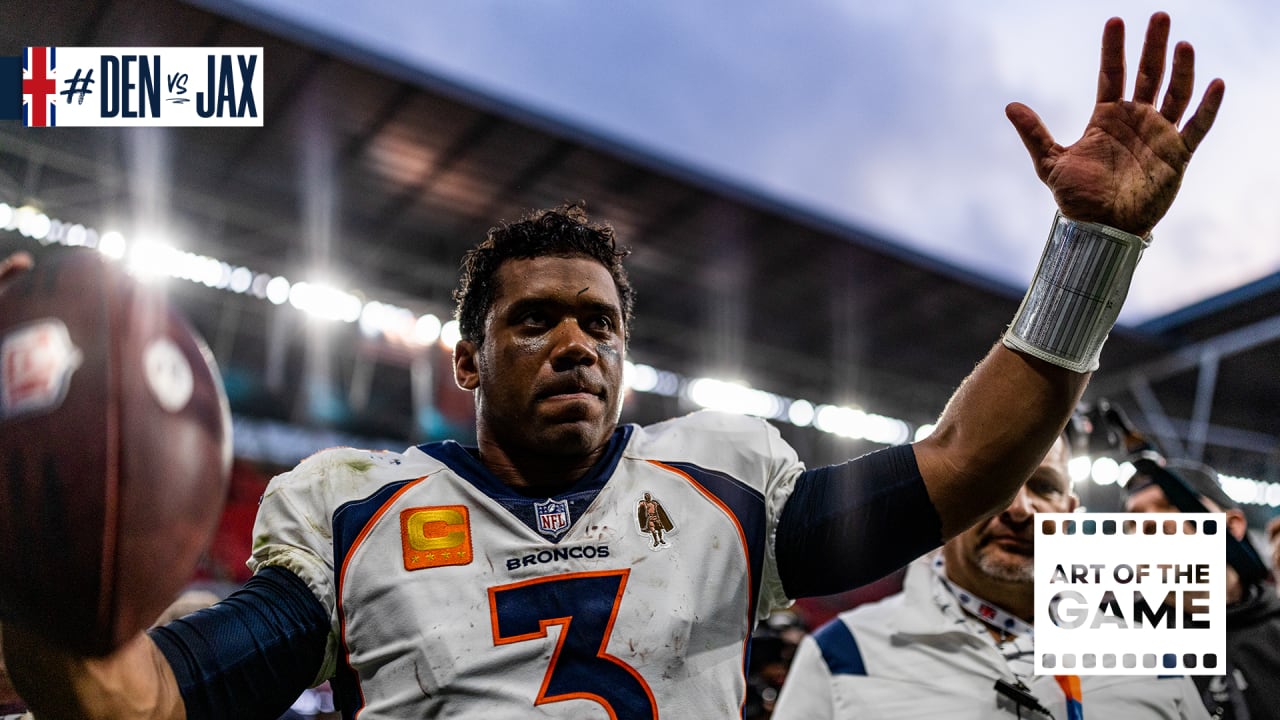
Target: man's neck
[[536, 474]]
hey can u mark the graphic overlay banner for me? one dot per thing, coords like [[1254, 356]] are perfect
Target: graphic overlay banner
[[1130, 594], [133, 86]]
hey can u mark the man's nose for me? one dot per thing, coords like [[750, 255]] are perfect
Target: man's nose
[[572, 345], [1022, 507]]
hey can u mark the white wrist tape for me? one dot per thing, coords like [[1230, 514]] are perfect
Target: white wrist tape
[[1076, 294]]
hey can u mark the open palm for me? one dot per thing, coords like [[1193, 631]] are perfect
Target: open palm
[[1126, 169]]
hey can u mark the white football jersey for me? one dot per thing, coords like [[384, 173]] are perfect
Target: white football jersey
[[631, 595]]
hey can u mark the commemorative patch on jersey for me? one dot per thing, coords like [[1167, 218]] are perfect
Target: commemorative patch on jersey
[[553, 517], [435, 536], [652, 520], [36, 364]]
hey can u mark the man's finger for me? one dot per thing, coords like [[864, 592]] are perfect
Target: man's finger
[[1035, 136], [1181, 80], [1200, 122], [14, 264], [1111, 71], [1151, 64]]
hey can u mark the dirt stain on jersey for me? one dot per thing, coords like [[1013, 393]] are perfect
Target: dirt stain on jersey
[[421, 686], [319, 528]]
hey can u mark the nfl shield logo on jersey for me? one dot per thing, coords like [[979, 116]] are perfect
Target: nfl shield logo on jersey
[[553, 517]]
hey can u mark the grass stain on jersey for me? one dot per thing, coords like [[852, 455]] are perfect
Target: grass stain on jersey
[[360, 466]]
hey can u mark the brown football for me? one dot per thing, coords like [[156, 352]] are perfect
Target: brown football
[[115, 447]]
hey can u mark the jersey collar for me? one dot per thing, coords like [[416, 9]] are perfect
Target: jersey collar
[[465, 462]]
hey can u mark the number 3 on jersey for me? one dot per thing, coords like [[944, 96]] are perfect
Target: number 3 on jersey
[[584, 605]]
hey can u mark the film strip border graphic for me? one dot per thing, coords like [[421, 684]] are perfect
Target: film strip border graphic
[[1182, 526], [1168, 661]]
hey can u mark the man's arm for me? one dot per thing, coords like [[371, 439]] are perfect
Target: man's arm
[[248, 656], [993, 433], [133, 683], [1124, 173]]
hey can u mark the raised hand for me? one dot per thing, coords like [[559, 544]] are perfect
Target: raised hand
[[1126, 168]]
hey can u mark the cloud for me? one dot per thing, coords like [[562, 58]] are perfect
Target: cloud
[[884, 115]]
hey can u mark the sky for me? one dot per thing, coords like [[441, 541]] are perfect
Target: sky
[[885, 116]]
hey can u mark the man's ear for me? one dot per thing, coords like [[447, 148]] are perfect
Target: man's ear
[[1237, 525], [466, 365]]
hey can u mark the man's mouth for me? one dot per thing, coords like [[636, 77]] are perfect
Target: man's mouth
[[1014, 544], [574, 390], [571, 396]]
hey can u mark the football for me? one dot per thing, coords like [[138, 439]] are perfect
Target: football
[[115, 449]]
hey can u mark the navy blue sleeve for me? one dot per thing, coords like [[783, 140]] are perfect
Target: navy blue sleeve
[[847, 525], [252, 654]]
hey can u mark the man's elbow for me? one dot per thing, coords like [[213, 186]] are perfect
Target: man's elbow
[[964, 485]]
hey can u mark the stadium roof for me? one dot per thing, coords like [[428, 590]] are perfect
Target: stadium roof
[[376, 178]]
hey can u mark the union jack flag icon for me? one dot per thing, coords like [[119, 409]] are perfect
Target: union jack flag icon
[[39, 87]]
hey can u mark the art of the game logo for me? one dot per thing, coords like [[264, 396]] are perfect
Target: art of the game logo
[[132, 86], [1130, 594]]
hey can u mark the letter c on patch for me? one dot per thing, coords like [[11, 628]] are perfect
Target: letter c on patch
[[435, 536]]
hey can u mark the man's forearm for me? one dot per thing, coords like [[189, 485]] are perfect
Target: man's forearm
[[993, 433], [133, 683]]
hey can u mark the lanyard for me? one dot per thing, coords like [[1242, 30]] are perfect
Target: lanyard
[[1005, 621], [989, 613]]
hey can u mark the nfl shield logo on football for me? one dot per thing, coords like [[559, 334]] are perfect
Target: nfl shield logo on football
[[36, 364], [553, 517]]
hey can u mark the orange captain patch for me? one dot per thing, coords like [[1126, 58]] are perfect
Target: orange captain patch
[[435, 536]]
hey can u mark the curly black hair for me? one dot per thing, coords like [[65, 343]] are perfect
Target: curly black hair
[[563, 231]]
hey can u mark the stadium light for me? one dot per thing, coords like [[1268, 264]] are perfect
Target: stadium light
[[640, 377], [149, 260], [1079, 468], [1105, 471], [394, 324], [734, 397], [800, 413], [450, 334], [325, 301], [426, 329], [240, 281], [111, 244], [278, 290], [925, 431]]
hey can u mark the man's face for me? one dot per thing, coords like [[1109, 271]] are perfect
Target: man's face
[[1002, 548], [1151, 499], [548, 376]]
